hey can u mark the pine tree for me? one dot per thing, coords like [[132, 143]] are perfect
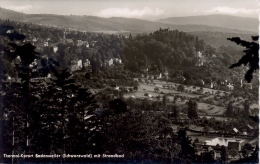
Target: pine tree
[[224, 154], [69, 115], [192, 109], [229, 111], [21, 95], [251, 57]]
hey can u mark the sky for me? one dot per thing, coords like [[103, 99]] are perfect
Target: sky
[[141, 9]]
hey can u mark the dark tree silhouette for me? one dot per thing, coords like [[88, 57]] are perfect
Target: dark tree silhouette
[[224, 154], [41, 116], [192, 109], [251, 57]]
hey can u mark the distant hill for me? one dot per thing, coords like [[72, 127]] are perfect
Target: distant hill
[[220, 38], [224, 21], [111, 25]]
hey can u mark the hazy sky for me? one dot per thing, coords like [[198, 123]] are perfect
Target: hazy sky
[[143, 9]]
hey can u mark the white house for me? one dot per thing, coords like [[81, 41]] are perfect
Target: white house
[[116, 60], [199, 62], [202, 82], [199, 54], [166, 74], [69, 40], [79, 63], [230, 86], [86, 63], [235, 130], [55, 49], [9, 31], [87, 45], [80, 42], [45, 44], [76, 65], [160, 76], [242, 84], [110, 62], [222, 141]]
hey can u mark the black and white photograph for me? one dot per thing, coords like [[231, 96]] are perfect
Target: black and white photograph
[[129, 81]]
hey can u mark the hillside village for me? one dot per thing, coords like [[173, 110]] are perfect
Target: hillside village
[[171, 76]]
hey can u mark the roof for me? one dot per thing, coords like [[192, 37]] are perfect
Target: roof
[[250, 127], [234, 145], [235, 129], [210, 149]]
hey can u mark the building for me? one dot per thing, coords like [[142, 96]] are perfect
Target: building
[[87, 63], [234, 145], [160, 76], [17, 60], [235, 130], [118, 61], [87, 44], [199, 54], [230, 87], [76, 65], [202, 82], [199, 62], [80, 42], [45, 44], [69, 40], [110, 62], [212, 84], [34, 39], [9, 31], [212, 152], [55, 49], [221, 141], [166, 75]]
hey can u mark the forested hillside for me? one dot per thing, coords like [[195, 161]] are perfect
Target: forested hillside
[[226, 21], [134, 101], [180, 53]]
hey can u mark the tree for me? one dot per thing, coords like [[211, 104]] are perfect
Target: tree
[[192, 109], [251, 57], [175, 112], [224, 154], [201, 90], [196, 140], [180, 88], [43, 115], [20, 97], [118, 106], [233, 152], [164, 100], [229, 111], [209, 156], [247, 108], [246, 149], [66, 116], [187, 153], [156, 89], [206, 129]]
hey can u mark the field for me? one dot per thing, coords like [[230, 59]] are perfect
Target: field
[[203, 108]]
